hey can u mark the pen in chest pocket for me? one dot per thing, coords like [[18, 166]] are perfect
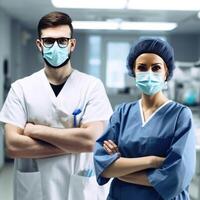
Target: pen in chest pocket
[[75, 113]]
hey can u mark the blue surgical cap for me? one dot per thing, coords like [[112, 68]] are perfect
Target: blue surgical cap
[[156, 46]]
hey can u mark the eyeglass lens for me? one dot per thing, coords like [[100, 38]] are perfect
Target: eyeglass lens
[[49, 42]]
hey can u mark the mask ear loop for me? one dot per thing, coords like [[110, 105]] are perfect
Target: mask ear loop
[[165, 85]]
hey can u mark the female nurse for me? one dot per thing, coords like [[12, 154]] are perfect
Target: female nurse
[[149, 147]]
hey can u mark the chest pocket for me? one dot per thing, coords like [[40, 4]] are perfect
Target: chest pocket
[[69, 117], [69, 120]]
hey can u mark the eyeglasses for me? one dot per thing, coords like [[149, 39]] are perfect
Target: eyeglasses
[[62, 42]]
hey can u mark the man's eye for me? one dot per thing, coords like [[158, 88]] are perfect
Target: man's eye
[[49, 41], [62, 40]]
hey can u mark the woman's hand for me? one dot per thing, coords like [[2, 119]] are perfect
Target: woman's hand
[[153, 161], [110, 147]]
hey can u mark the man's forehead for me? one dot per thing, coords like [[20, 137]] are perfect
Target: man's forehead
[[57, 31]]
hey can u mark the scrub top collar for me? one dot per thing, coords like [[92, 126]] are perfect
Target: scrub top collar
[[152, 115], [49, 89]]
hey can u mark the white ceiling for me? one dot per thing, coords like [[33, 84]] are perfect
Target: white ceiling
[[29, 12]]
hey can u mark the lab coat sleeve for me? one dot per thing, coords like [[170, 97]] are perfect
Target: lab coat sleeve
[[13, 110], [98, 106], [101, 158], [179, 166]]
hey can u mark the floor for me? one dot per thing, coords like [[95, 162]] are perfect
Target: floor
[[6, 176]]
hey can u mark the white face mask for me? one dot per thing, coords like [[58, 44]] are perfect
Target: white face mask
[[150, 82], [56, 56]]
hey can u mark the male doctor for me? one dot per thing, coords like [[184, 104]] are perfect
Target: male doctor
[[52, 119]]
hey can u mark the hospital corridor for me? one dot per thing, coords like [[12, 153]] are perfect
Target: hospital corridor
[[94, 94]]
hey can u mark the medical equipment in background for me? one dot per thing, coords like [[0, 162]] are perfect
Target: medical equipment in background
[[187, 83]]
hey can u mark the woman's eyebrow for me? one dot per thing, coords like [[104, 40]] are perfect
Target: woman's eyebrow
[[157, 64]]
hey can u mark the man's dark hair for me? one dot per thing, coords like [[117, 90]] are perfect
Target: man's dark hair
[[54, 19]]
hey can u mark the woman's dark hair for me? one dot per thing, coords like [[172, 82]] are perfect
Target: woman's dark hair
[[54, 19]]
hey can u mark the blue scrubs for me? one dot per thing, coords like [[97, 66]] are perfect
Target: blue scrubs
[[169, 133]]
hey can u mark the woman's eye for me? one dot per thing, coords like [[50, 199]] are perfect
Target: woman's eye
[[141, 67], [156, 68]]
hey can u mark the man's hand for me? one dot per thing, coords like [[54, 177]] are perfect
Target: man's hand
[[20, 144], [31, 129], [70, 140]]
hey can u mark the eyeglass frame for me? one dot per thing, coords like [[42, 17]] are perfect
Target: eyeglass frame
[[55, 40]]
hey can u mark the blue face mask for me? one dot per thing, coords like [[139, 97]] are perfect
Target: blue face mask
[[150, 82], [55, 55]]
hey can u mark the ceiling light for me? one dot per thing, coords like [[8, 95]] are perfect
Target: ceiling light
[[187, 5], [114, 25], [96, 25], [148, 26], [90, 4], [184, 5]]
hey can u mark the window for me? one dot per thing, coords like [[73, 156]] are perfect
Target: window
[[94, 52], [116, 64]]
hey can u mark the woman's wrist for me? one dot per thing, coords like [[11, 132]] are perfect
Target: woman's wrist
[[155, 161]]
